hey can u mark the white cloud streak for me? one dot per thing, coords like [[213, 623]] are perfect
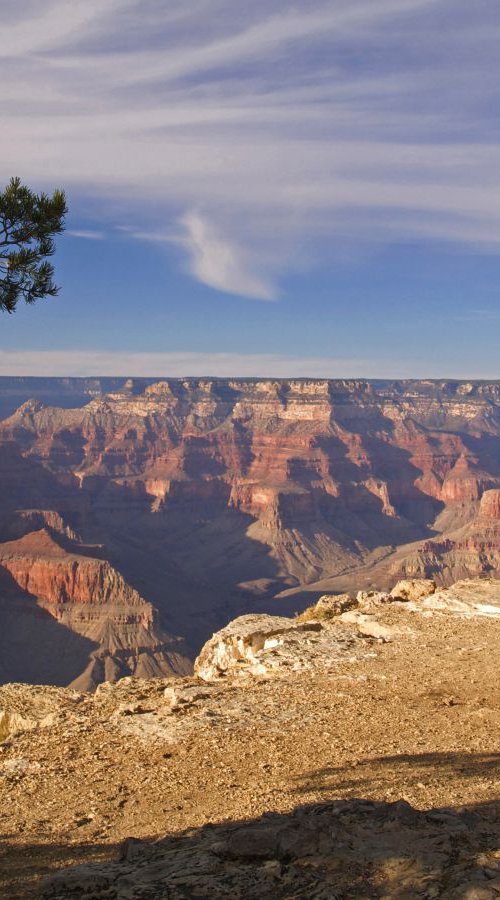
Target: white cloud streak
[[263, 127], [57, 23], [219, 263], [80, 363], [269, 35], [86, 234]]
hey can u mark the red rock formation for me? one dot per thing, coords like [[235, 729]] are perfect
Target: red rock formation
[[197, 489], [466, 551], [489, 508], [43, 568], [91, 598]]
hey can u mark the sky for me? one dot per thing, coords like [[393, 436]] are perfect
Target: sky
[[265, 188]]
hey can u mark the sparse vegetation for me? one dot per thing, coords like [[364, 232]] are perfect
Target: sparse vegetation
[[312, 613], [329, 606]]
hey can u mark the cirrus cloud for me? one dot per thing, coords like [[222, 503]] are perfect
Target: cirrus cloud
[[262, 129]]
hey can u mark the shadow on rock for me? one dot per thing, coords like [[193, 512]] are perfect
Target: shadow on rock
[[410, 768], [353, 848], [23, 866]]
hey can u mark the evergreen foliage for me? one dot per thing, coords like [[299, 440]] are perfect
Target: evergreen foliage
[[28, 224]]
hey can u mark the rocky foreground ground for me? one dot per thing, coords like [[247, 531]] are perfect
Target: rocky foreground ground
[[350, 753]]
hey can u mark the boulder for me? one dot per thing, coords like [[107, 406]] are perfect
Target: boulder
[[368, 626], [373, 598], [237, 648], [413, 589], [262, 644]]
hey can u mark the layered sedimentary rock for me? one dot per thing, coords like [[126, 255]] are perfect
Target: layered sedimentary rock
[[489, 508], [66, 392], [211, 497], [256, 645], [72, 619], [469, 551]]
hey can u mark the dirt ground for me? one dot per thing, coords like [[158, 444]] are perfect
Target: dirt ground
[[415, 719]]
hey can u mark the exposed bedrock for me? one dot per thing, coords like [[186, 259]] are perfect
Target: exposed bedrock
[[489, 509], [209, 497]]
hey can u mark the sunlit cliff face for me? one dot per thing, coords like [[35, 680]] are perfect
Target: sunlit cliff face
[[194, 499]]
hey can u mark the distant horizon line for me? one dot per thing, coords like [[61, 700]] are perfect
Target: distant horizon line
[[153, 379], [157, 365]]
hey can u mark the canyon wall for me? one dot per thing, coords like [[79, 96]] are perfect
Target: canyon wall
[[205, 498]]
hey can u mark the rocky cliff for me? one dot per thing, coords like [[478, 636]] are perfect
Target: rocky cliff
[[214, 498], [69, 618]]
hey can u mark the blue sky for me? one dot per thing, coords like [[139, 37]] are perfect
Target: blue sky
[[260, 189]]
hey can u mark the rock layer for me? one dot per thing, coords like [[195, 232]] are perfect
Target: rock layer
[[110, 630], [212, 497], [255, 645]]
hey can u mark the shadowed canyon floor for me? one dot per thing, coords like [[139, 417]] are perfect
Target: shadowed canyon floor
[[136, 518], [252, 779]]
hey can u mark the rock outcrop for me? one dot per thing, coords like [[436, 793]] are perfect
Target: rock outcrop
[[22, 710], [415, 589], [489, 508], [468, 599], [256, 645], [260, 644]]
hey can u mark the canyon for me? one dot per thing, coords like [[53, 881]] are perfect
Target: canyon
[[138, 516]]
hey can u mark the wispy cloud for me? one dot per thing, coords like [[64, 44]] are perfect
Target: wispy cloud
[[86, 234], [271, 33], [81, 363], [285, 124], [216, 261], [48, 25]]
